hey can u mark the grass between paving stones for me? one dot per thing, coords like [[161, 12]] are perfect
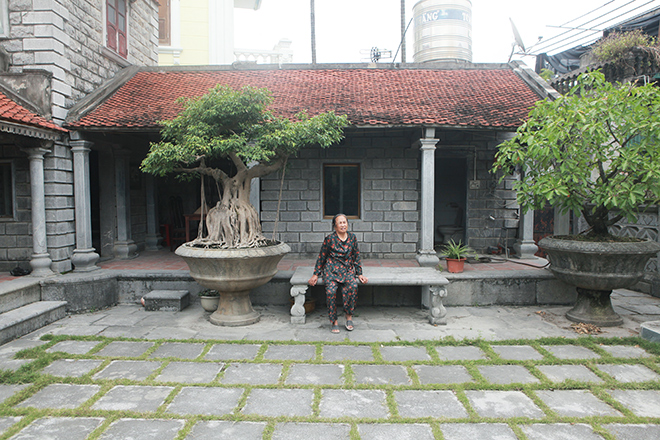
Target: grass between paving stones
[[33, 376]]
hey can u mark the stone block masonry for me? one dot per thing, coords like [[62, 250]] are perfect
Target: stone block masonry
[[387, 204]]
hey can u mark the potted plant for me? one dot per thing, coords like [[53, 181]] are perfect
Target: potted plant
[[209, 299], [231, 136], [594, 151], [455, 255]]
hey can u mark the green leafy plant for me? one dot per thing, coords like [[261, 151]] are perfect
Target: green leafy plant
[[208, 292], [595, 151], [235, 126], [618, 44], [457, 251]]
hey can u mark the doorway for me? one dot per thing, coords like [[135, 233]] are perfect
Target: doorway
[[450, 200]]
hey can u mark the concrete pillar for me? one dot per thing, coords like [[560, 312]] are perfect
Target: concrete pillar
[[153, 238], [40, 260], [84, 257], [561, 223], [426, 255], [124, 247]]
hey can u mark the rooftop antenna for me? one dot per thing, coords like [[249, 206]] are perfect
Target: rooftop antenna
[[518, 43]]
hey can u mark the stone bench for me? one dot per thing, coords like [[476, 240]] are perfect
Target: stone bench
[[425, 277]]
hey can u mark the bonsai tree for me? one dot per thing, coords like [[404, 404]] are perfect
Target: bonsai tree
[[235, 125], [595, 151]]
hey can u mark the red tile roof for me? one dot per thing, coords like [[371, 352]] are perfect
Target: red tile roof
[[469, 97], [10, 111]]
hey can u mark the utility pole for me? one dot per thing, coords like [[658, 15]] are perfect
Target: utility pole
[[313, 28], [403, 31]]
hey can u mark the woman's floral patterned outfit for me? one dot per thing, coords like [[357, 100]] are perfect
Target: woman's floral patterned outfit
[[339, 263]]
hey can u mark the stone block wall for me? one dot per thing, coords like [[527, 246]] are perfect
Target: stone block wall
[[388, 226]]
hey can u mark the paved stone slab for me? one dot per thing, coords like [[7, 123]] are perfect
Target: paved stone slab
[[178, 350], [634, 432], [190, 372], [477, 431], [460, 353], [503, 404], [148, 429], [506, 374], [133, 398], [417, 403], [280, 402], [404, 353], [570, 352], [290, 352], [72, 367], [625, 351], [125, 349], [381, 375], [8, 422], [517, 352], [227, 352], [208, 401], [59, 428], [60, 396], [353, 403], [395, 431], [254, 374], [6, 391], [315, 431], [13, 347], [12, 364], [629, 373], [73, 347], [643, 403], [560, 373], [444, 374], [314, 374], [563, 431], [576, 403], [221, 430], [347, 352], [366, 335], [131, 370]]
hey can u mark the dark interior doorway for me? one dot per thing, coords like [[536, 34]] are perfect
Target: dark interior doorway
[[450, 200]]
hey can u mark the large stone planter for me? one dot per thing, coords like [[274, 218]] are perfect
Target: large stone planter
[[233, 273], [595, 268]]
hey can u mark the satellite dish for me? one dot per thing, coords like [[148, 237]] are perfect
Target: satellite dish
[[519, 42]]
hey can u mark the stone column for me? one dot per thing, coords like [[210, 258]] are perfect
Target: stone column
[[84, 256], [525, 247], [153, 238], [40, 260], [124, 247], [426, 255]]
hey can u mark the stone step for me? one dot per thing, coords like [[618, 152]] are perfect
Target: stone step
[[26, 319], [166, 300], [18, 293], [651, 331]]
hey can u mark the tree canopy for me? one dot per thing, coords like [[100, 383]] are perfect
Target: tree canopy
[[595, 150]]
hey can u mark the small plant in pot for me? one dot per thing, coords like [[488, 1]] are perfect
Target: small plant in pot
[[209, 299], [594, 151], [231, 137], [456, 254]]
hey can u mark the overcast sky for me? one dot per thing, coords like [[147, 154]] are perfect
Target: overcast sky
[[347, 29]]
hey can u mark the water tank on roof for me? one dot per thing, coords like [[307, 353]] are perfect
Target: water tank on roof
[[443, 30]]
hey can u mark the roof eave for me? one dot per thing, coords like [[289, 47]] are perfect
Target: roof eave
[[30, 131]]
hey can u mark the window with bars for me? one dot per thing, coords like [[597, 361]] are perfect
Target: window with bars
[[341, 190], [116, 26]]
